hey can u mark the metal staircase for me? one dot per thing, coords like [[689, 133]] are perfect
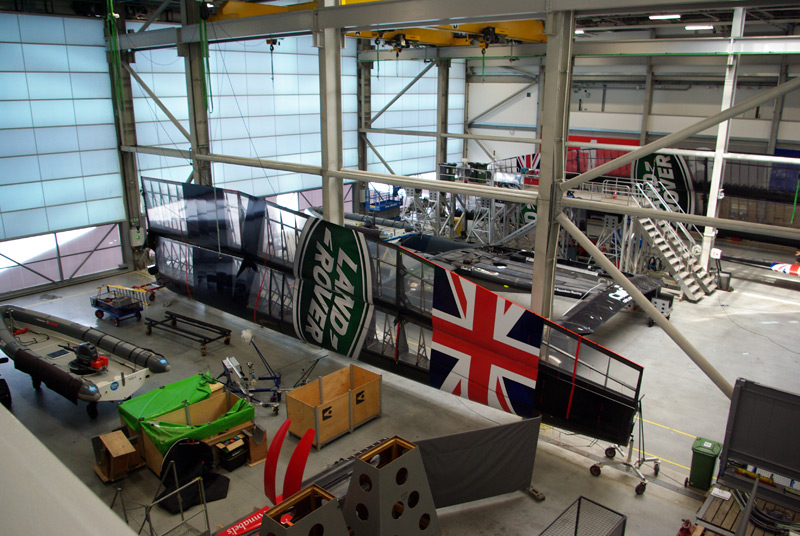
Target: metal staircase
[[673, 243]]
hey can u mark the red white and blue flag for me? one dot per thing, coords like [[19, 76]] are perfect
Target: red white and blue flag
[[528, 163], [485, 348]]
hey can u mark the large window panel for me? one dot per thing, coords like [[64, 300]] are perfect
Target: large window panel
[[58, 109]]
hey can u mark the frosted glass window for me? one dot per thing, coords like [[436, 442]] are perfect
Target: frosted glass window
[[58, 165], [19, 169], [63, 191], [102, 187], [83, 32], [53, 113], [90, 86], [105, 210], [13, 86], [99, 162], [49, 86], [25, 222], [87, 59], [17, 142], [41, 29], [12, 57], [94, 111], [15, 115], [21, 197], [97, 137], [45, 58], [68, 216], [55, 78]]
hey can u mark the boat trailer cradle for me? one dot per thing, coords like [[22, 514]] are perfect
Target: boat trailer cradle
[[202, 332]]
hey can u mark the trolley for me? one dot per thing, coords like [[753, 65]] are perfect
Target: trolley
[[116, 303]]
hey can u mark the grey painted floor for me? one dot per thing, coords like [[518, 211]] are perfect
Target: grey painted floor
[[750, 332]]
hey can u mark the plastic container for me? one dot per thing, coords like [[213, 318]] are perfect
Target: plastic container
[[725, 281], [704, 458]]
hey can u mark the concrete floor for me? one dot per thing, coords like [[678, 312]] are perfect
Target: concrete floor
[[750, 332]]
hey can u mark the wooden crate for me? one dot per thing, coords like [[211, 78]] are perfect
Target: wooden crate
[[115, 456], [201, 412], [334, 404]]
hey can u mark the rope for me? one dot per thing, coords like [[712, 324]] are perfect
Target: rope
[[206, 66], [113, 39]]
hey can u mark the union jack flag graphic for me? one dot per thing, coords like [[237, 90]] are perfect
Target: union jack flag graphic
[[485, 347]]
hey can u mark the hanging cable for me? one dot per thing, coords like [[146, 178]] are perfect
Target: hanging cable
[[272, 43], [111, 22], [205, 66]]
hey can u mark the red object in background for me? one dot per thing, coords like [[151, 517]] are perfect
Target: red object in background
[[100, 363], [686, 529]]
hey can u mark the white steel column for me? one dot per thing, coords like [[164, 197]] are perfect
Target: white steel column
[[723, 132], [559, 27], [329, 42], [198, 112]]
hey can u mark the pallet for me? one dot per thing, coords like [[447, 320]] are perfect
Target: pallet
[[722, 517]]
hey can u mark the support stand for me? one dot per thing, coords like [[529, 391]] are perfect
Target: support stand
[[236, 381], [628, 463]]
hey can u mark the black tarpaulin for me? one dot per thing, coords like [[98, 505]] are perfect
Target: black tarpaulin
[[482, 463]]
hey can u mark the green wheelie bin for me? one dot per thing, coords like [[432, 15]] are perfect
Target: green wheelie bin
[[704, 458]]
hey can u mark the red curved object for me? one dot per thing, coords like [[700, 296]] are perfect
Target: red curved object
[[297, 464], [271, 463]]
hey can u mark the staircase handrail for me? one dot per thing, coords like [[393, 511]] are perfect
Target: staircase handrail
[[684, 253], [681, 235]]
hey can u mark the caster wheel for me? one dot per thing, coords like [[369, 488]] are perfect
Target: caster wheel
[[611, 452], [595, 470], [202, 351], [148, 330], [37, 383], [656, 468], [275, 410], [227, 340], [641, 487], [650, 322], [686, 482], [91, 409], [99, 313], [138, 316], [152, 297], [116, 321]]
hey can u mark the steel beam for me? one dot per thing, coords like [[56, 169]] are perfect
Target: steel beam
[[378, 154], [158, 102], [402, 92], [645, 304], [723, 134], [490, 192], [500, 104], [442, 92], [429, 134], [647, 105], [674, 48], [329, 43], [693, 219], [682, 134], [198, 111], [560, 27], [164, 5]]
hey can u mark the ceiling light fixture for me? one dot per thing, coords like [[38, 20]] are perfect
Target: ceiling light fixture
[[699, 27], [665, 17]]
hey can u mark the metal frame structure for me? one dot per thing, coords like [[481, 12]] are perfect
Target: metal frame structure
[[330, 21]]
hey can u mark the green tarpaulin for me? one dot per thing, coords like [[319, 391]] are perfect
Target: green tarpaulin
[[165, 399], [142, 412], [164, 434]]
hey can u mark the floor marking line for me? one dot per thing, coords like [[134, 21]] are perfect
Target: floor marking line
[[667, 428]]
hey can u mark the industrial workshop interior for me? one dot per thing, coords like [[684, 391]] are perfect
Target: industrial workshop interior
[[400, 267]]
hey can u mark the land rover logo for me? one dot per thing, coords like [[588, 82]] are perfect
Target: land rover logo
[[360, 397], [333, 297], [671, 172]]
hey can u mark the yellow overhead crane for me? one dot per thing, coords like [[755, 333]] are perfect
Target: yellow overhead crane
[[483, 35]]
